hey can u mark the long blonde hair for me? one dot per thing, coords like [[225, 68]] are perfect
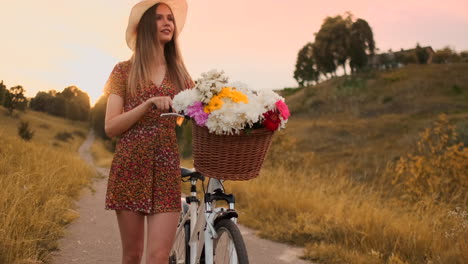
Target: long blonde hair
[[147, 48]]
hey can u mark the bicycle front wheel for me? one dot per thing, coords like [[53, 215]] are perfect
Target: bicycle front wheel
[[181, 250], [229, 247]]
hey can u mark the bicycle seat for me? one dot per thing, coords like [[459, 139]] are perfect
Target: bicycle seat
[[184, 172]]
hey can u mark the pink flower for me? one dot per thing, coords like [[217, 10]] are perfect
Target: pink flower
[[283, 109], [196, 112]]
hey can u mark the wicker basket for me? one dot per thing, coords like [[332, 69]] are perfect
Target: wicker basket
[[229, 157]]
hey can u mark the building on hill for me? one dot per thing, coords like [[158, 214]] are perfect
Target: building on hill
[[391, 59]]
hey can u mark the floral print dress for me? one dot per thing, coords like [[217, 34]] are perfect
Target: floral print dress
[[144, 175]]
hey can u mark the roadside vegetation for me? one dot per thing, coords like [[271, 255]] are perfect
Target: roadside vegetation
[[39, 178], [371, 168]]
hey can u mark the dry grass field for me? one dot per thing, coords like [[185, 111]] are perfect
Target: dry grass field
[[39, 181], [370, 169]]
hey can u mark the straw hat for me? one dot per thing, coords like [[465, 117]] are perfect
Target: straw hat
[[178, 8]]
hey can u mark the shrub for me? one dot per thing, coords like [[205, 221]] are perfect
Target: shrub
[[438, 168], [456, 89], [24, 131], [64, 136]]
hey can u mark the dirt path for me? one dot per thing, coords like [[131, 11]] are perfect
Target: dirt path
[[94, 237]]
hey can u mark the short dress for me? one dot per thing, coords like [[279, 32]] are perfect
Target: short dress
[[145, 174]]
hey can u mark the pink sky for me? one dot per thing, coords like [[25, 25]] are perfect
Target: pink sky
[[52, 44]]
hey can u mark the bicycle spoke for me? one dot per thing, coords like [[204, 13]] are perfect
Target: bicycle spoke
[[225, 251]]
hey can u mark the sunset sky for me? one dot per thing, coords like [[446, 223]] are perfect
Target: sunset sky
[[51, 44]]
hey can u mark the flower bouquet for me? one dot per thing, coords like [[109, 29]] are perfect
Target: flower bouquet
[[232, 125]]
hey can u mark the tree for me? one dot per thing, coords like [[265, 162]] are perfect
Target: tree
[[74, 103], [421, 54], [16, 99], [306, 70], [71, 103], [339, 40], [446, 55], [41, 101], [362, 44], [332, 44], [464, 56], [57, 107], [3, 93]]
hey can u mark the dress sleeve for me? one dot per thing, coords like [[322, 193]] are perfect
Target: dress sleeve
[[117, 82]]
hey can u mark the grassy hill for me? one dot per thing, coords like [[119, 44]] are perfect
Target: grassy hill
[[368, 171], [39, 181], [369, 119]]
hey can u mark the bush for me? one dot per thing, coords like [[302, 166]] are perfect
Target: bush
[[438, 168], [64, 136], [446, 55], [456, 89], [24, 131]]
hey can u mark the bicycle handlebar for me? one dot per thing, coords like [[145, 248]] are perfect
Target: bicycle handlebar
[[171, 114]]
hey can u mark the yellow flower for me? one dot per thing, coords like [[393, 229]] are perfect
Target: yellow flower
[[235, 96], [238, 97], [225, 92], [215, 103]]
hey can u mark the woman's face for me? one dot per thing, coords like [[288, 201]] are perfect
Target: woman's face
[[164, 23]]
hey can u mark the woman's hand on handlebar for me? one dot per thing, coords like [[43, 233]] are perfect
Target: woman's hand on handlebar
[[163, 103]]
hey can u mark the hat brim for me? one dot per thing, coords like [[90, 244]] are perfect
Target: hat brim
[[178, 8]]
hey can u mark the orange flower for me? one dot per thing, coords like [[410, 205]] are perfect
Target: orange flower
[[215, 103], [234, 95], [225, 92], [238, 97]]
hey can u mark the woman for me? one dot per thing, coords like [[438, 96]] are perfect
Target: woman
[[144, 179]]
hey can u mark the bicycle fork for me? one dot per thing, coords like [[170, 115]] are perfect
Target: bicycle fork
[[207, 222], [215, 194]]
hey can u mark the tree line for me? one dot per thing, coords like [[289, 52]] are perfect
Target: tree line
[[12, 98], [345, 41], [72, 103], [340, 41]]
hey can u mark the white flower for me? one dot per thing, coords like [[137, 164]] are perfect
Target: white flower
[[240, 86], [211, 83], [231, 117], [227, 119], [268, 98], [185, 98]]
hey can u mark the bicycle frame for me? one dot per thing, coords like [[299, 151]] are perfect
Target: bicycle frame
[[203, 215]]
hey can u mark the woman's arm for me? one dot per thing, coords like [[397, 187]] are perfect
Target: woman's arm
[[117, 121]]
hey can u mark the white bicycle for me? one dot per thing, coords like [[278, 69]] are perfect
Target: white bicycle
[[206, 233]]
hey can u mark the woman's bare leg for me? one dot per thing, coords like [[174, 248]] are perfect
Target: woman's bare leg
[[132, 229], [161, 235]]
